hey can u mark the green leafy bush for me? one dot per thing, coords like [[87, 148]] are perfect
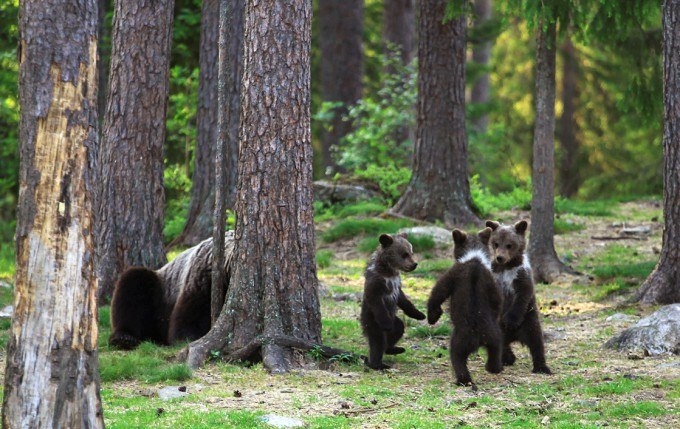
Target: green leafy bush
[[177, 194]]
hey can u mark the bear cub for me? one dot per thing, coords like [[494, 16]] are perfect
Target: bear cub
[[383, 294], [512, 271], [475, 304]]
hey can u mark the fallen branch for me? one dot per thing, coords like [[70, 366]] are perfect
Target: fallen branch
[[249, 349], [618, 237], [366, 410]]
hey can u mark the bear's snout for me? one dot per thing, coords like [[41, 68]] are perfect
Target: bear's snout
[[412, 267], [500, 259]]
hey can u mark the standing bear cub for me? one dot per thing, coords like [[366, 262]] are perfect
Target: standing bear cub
[[475, 304], [511, 268], [382, 296]]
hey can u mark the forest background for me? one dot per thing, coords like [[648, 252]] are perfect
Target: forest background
[[607, 146]]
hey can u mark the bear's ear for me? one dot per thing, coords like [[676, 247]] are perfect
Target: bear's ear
[[403, 235], [492, 224], [484, 235], [459, 236], [521, 227], [386, 240]]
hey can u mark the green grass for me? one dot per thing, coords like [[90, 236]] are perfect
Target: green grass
[[324, 258], [601, 208], [147, 363], [618, 261], [350, 228], [7, 263], [566, 226], [591, 387]]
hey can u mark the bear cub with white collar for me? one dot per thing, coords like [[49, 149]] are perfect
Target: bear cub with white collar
[[475, 304], [383, 294], [512, 271]]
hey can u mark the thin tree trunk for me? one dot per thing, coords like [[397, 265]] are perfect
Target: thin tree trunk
[[439, 188], [199, 221], [51, 376], [568, 169], [663, 284], [399, 27], [399, 30], [131, 202], [230, 40], [546, 265], [481, 53], [273, 288], [342, 67]]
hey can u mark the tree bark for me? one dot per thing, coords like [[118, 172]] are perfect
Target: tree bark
[[546, 266], [342, 67], [439, 188], [51, 376], [131, 201], [273, 285], [399, 30], [569, 161], [199, 221], [230, 40], [481, 53], [399, 27], [663, 284]]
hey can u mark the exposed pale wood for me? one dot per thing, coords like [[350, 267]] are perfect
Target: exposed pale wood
[[51, 377]]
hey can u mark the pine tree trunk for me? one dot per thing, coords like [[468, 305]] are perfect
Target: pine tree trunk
[[399, 27], [131, 202], [481, 53], [199, 223], [51, 376], [663, 284], [569, 161], [199, 219], [439, 188], [399, 30], [546, 265], [273, 285], [342, 67]]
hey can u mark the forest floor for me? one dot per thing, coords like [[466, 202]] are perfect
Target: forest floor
[[591, 387]]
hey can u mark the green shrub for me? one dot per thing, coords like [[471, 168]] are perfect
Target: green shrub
[[177, 195], [324, 258]]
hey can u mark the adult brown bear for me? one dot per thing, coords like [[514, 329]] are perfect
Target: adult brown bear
[[169, 304]]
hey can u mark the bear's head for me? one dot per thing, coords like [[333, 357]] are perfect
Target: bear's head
[[466, 244], [507, 242], [396, 252]]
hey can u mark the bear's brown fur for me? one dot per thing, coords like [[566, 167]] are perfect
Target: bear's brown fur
[[166, 305], [475, 304], [511, 268], [383, 294]]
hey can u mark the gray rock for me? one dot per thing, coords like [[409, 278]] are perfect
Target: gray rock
[[658, 333], [281, 421], [331, 193], [620, 318], [7, 312], [5, 284], [441, 236], [171, 392]]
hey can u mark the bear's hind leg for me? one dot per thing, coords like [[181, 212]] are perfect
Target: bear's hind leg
[[190, 319], [136, 309], [494, 350], [376, 349], [461, 347], [393, 336], [532, 336]]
